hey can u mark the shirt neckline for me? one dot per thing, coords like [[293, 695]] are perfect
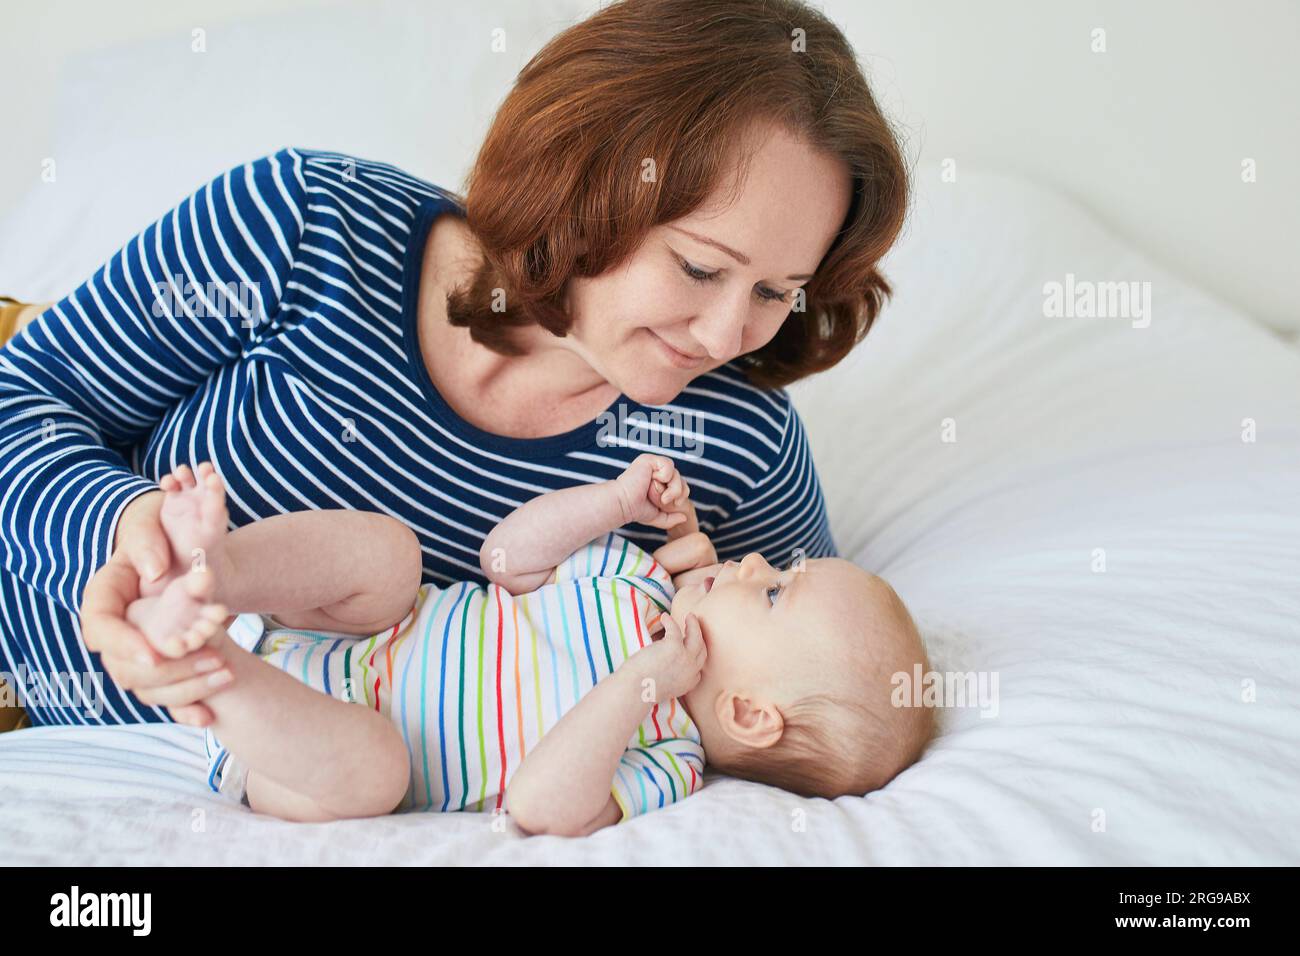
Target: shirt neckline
[[413, 263]]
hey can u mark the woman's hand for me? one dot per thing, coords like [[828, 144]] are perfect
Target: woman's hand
[[688, 558], [140, 539], [138, 568]]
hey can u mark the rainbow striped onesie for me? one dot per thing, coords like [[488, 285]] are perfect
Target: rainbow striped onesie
[[473, 677]]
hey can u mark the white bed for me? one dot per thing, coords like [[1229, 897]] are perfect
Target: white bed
[[1122, 735], [1147, 714]]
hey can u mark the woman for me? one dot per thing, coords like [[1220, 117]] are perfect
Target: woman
[[679, 204]]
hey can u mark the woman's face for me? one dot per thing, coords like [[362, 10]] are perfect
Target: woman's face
[[683, 304]]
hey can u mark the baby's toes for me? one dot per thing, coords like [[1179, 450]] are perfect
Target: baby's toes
[[213, 513], [205, 626]]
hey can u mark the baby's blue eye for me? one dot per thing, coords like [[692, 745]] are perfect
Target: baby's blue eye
[[773, 593]]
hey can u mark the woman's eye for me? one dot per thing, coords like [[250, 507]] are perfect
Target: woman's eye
[[773, 593], [700, 275]]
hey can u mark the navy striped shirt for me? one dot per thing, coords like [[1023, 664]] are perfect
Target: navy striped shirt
[[268, 324]]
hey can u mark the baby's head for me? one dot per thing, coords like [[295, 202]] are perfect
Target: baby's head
[[796, 689]]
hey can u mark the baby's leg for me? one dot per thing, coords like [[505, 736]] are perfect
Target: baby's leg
[[355, 572], [311, 757]]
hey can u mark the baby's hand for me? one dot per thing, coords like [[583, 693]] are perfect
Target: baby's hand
[[652, 492], [673, 663]]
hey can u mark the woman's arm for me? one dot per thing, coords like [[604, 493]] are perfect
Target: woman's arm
[[96, 371], [100, 368]]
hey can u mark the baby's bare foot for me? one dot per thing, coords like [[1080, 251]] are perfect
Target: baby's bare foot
[[182, 618], [193, 515]]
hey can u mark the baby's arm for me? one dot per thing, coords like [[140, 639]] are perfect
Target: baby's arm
[[524, 549], [564, 786]]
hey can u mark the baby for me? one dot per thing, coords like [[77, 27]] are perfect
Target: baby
[[585, 685]]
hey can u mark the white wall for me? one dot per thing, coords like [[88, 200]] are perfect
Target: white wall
[[1150, 134]]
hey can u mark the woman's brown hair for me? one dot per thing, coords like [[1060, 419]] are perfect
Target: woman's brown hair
[[559, 186]]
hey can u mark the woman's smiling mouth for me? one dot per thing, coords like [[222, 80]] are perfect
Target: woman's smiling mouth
[[675, 356]]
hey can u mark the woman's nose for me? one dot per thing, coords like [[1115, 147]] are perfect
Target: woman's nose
[[720, 333]]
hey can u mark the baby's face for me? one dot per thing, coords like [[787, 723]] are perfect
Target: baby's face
[[770, 633]]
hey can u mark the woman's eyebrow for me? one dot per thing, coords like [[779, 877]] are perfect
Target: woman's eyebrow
[[738, 256]]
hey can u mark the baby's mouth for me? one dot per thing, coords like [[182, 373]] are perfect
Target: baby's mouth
[[708, 584]]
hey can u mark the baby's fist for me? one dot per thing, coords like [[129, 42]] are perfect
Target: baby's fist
[[652, 492]]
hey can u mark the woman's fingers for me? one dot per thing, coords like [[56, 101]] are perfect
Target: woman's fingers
[[103, 612], [148, 550], [690, 526], [139, 677], [187, 691], [192, 715]]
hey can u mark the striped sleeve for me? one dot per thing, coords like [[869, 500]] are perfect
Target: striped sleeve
[[613, 555], [654, 774], [98, 371], [784, 517]]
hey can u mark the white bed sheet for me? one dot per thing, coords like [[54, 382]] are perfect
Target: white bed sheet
[[1122, 694]]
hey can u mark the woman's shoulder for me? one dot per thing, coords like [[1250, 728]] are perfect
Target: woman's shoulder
[[336, 178]]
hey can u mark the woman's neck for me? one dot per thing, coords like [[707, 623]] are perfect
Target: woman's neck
[[548, 389]]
